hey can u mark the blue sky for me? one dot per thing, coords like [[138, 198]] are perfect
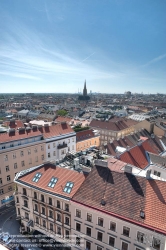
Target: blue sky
[[54, 45]]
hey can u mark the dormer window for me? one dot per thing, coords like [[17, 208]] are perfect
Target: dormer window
[[37, 177], [142, 214]]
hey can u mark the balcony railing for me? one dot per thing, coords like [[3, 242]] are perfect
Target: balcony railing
[[60, 146]]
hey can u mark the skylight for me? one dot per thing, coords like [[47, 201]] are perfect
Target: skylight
[[52, 182], [37, 177], [68, 187]]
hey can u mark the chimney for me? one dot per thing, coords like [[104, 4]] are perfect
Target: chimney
[[128, 169], [128, 148], [148, 173], [152, 136], [139, 142]]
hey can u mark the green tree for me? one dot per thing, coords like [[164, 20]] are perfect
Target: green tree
[[62, 112]]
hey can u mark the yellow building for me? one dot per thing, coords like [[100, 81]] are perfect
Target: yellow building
[[86, 139]]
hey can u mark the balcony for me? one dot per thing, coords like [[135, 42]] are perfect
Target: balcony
[[60, 146]]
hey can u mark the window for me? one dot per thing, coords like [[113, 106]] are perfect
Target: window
[[42, 148], [49, 155], [37, 220], [99, 236], [22, 164], [100, 222], [43, 211], [6, 158], [36, 158], [67, 207], [157, 173], [54, 153], [66, 234], [67, 220], [99, 248], [0, 180], [73, 139], [78, 227], [44, 223], [111, 241], [29, 151], [59, 217], [26, 216], [68, 187], [36, 208], [88, 231], [30, 161], [52, 182], [59, 230], [58, 204], [7, 168], [156, 243], [89, 217], [88, 245], [42, 197], [18, 211], [35, 150], [78, 241], [78, 213], [113, 226], [126, 231], [124, 246], [9, 188], [50, 213], [50, 201], [42, 157], [54, 145], [15, 165], [24, 191], [1, 191], [140, 237], [22, 153], [35, 195], [25, 203], [51, 227], [36, 177], [73, 147], [14, 155], [48, 146]]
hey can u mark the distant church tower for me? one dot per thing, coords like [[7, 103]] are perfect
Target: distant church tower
[[85, 89]]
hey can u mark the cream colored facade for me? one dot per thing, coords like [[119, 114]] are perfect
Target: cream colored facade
[[29, 153], [101, 231], [50, 214]]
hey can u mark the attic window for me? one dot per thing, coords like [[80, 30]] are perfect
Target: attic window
[[142, 214], [68, 187], [37, 177], [103, 202], [52, 182]]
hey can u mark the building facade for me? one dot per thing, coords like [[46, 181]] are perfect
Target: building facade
[[19, 150]]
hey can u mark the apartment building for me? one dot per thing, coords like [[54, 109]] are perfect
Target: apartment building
[[19, 149], [119, 211], [86, 139], [110, 130], [43, 199], [60, 139]]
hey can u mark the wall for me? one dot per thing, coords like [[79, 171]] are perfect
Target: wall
[[85, 144]]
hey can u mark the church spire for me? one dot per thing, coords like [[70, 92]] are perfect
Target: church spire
[[85, 89]]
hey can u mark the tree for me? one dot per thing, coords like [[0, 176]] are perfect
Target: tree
[[62, 112]]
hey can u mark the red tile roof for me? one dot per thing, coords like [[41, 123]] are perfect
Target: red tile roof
[[112, 125], [55, 130], [48, 171], [16, 124], [84, 135], [136, 156], [18, 135], [125, 195], [63, 119]]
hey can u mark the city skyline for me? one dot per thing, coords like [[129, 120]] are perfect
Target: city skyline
[[52, 47]]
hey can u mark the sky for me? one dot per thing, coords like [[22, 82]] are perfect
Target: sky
[[52, 46]]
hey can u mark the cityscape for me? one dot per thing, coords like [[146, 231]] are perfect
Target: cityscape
[[83, 125]]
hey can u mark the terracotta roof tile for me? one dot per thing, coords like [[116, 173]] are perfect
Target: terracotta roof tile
[[48, 171], [84, 135], [55, 130]]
